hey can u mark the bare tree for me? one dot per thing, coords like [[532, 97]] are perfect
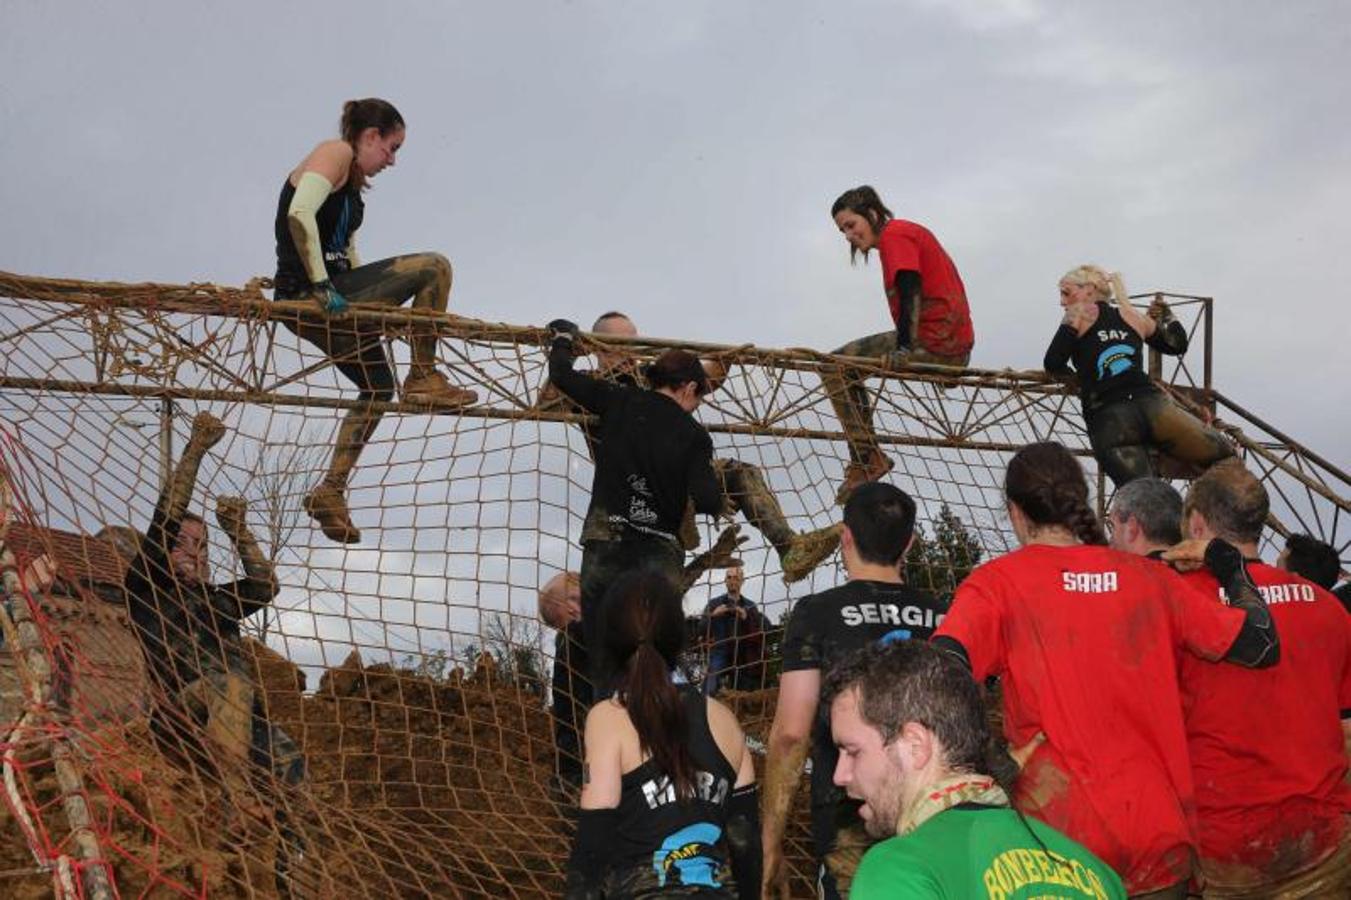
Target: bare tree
[[517, 643], [285, 470]]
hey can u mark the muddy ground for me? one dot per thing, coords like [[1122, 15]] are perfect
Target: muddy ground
[[415, 788]]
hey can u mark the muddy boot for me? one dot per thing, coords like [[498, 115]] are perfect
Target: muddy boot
[[328, 506], [431, 388], [873, 466], [807, 551]]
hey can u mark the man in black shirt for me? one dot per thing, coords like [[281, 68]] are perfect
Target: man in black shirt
[[189, 631], [652, 458], [875, 605]]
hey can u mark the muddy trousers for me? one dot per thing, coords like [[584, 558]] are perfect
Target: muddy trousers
[[358, 349], [225, 709], [1331, 877], [582, 674], [744, 490], [849, 397], [602, 563], [1123, 432]]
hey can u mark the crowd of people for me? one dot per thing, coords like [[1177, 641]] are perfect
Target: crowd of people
[[1172, 713], [1171, 705]]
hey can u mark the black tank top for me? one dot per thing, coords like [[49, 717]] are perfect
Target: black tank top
[[669, 842], [1108, 358], [338, 219]]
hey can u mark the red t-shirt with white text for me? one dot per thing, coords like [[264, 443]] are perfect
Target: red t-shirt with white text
[[1266, 744], [1087, 642], [944, 316]]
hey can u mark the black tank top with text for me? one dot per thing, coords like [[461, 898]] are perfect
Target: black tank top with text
[[671, 842], [1109, 357], [338, 219]]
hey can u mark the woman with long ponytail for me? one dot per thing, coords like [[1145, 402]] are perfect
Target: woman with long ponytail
[[668, 802], [318, 213], [1101, 339], [1086, 641]]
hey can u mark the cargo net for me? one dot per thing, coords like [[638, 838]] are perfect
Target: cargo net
[[395, 694]]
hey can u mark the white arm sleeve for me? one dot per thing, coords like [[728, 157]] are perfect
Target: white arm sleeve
[[311, 192]]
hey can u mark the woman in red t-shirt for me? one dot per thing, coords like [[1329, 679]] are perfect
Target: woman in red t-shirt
[[932, 321], [1086, 641]]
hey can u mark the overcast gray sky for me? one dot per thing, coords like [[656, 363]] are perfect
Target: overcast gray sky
[[677, 159]]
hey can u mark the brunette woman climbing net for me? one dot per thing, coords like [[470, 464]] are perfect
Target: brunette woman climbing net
[[318, 214]]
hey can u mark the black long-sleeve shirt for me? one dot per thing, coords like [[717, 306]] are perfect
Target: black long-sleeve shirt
[[652, 457], [187, 629], [1109, 356]]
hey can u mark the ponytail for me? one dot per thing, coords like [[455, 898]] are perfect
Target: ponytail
[[1048, 484], [1118, 289], [654, 706], [642, 628], [1083, 522]]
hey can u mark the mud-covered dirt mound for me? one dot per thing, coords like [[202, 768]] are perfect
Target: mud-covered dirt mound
[[415, 787]]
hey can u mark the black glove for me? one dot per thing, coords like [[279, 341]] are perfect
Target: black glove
[[563, 330], [1223, 559]]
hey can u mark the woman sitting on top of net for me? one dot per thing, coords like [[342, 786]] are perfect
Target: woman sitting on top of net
[[1126, 414], [318, 214], [668, 801], [929, 311]]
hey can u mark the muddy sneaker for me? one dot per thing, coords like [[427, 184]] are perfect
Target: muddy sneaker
[[807, 551], [433, 389], [874, 465], [327, 506]]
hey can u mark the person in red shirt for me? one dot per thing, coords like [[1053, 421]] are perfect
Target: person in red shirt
[[1266, 747], [928, 308], [1086, 641]]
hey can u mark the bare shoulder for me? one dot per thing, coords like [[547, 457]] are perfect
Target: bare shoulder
[[331, 159], [727, 733], [607, 713]]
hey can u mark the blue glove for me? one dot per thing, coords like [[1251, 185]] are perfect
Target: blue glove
[[334, 303]]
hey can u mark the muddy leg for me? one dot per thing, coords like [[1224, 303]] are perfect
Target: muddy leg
[[1182, 436], [425, 277], [1119, 437]]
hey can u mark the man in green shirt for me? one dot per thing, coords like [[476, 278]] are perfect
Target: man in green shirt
[[911, 729]]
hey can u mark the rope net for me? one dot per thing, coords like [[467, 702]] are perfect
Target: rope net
[[396, 692]]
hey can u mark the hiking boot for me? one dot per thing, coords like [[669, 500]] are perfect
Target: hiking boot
[[873, 466], [433, 389], [327, 506], [807, 551]]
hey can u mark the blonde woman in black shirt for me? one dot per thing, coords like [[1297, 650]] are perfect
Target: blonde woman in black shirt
[[1126, 413]]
